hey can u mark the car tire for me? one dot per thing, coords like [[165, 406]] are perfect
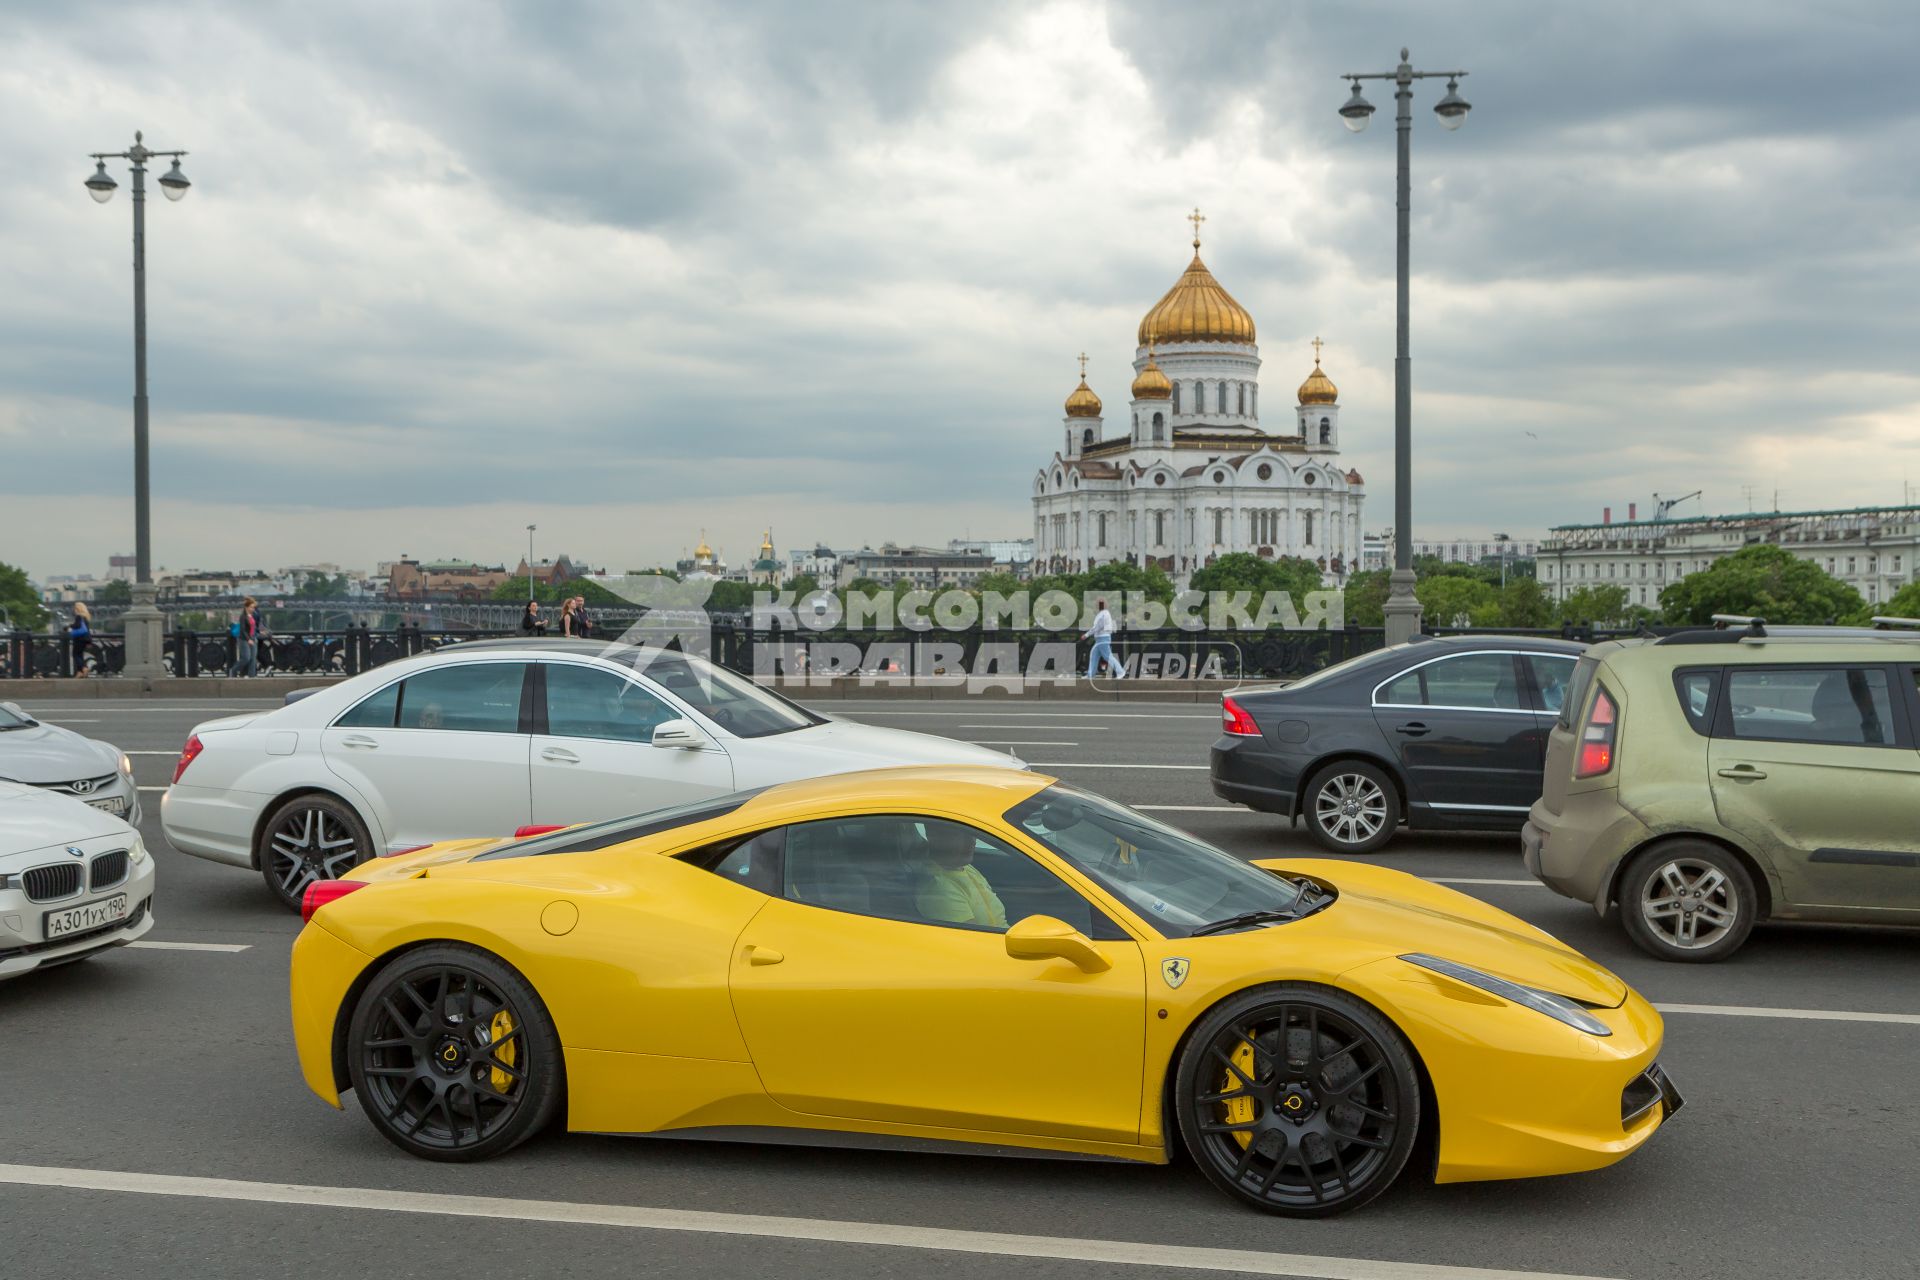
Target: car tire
[[1352, 806], [452, 1054], [1298, 1100], [1688, 900], [310, 837]]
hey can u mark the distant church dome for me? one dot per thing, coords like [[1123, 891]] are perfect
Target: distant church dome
[[1152, 384], [1318, 388], [1197, 309], [1082, 403]]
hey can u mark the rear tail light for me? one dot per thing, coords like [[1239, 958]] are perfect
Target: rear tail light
[[321, 892], [1597, 737], [521, 833], [188, 754], [1235, 720]]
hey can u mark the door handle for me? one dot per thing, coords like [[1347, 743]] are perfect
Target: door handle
[[1742, 773], [560, 754], [763, 955], [1413, 730], [360, 743]]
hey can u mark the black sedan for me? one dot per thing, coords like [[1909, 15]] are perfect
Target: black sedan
[[1439, 733]]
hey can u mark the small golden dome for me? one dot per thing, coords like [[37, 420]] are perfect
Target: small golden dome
[[1197, 309], [1152, 384], [1318, 388], [703, 551], [1083, 403]]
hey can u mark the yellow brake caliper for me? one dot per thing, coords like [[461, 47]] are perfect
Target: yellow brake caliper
[[1240, 1109], [508, 1053]]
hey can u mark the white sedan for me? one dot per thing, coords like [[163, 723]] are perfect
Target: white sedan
[[486, 737], [73, 880]]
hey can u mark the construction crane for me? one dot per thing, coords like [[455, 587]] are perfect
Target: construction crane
[[1663, 505]]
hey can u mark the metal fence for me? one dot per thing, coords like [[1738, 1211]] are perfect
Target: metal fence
[[738, 646]]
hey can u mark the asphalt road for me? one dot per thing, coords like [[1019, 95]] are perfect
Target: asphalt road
[[124, 1079]]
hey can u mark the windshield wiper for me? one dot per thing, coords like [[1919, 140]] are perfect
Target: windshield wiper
[[1245, 920]]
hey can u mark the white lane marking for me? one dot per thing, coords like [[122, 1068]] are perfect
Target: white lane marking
[[1532, 884], [227, 947], [1189, 808], [149, 788], [1087, 764], [988, 1243], [1015, 742], [151, 753], [63, 720], [1808, 1015], [1048, 715]]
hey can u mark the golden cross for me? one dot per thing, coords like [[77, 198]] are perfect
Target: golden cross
[[1196, 218], [1083, 366], [1317, 344]]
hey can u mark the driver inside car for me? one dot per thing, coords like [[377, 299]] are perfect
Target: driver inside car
[[953, 890]]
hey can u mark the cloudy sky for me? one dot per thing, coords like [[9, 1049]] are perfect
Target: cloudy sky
[[629, 270]]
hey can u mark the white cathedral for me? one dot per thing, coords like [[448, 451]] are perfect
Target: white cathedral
[[1190, 475]]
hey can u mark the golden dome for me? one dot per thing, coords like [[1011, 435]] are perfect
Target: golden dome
[[703, 551], [1152, 384], [1197, 309], [1318, 388], [1083, 403]]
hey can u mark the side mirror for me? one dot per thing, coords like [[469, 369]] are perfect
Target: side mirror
[[678, 733], [15, 708], [1044, 938]]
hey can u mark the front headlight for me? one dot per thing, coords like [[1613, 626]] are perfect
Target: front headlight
[[126, 766], [137, 852], [1559, 1008]]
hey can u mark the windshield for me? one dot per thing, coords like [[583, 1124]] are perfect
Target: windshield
[[733, 702], [1175, 882], [10, 719]]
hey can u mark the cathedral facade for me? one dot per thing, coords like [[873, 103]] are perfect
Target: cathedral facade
[[1187, 473]]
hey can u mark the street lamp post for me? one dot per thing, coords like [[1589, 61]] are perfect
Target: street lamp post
[[1402, 607], [144, 625], [530, 529]]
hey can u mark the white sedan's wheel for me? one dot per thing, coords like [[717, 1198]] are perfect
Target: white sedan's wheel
[[311, 837]]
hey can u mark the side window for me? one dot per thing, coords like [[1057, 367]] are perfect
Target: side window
[[1839, 705], [753, 862], [473, 697], [1696, 690], [928, 871], [1552, 674], [1577, 694], [376, 712], [585, 702], [1475, 681]]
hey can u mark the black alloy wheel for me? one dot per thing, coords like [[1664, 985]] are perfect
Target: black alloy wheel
[[1688, 900], [452, 1055], [1352, 807], [311, 837], [1298, 1100]]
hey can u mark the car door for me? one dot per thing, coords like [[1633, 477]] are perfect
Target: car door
[[593, 754], [878, 987], [441, 754], [1469, 742], [1815, 767]]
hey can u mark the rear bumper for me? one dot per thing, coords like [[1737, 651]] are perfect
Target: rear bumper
[[1576, 852], [1245, 772], [211, 823], [322, 972]]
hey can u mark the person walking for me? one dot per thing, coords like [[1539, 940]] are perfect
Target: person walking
[[246, 640], [531, 622], [1101, 633], [582, 621], [566, 617], [81, 629]]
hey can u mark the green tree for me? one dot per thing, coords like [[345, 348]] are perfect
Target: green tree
[[1452, 601], [1366, 593], [20, 600], [1524, 603], [1602, 606], [1435, 567], [1763, 581], [119, 591], [1005, 583], [1904, 603], [729, 596], [1116, 577], [802, 585], [1244, 571], [320, 586]]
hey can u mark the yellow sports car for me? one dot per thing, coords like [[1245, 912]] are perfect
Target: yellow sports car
[[966, 958]]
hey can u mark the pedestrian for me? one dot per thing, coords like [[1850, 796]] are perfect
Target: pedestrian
[[567, 609], [1101, 632], [582, 621], [246, 640], [531, 622], [81, 629]]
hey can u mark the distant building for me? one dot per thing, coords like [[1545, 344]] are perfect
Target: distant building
[[930, 567], [552, 572], [1009, 555], [703, 563], [822, 561], [122, 568], [766, 571], [1473, 548], [409, 579], [1875, 550]]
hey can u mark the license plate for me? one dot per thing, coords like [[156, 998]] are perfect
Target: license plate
[[115, 805], [88, 915]]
